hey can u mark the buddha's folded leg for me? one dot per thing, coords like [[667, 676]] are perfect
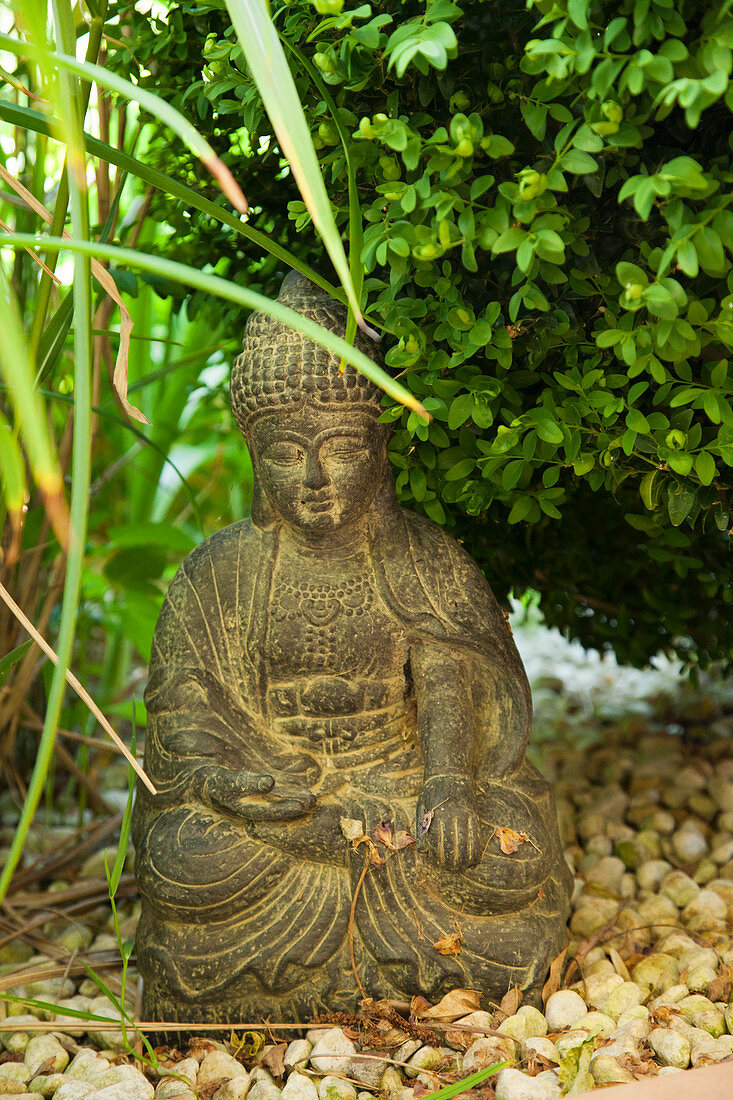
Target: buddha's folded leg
[[224, 912], [503, 918]]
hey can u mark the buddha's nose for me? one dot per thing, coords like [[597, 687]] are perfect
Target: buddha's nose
[[315, 475]]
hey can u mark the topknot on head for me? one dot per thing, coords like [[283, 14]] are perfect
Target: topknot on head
[[280, 368]]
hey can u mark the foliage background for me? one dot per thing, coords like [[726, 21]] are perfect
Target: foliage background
[[548, 231]]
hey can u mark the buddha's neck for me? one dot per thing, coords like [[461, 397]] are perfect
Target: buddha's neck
[[340, 544]]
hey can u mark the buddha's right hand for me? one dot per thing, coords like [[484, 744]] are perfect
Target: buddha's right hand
[[253, 796]]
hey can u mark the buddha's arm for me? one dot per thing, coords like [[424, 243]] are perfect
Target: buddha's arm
[[446, 726]]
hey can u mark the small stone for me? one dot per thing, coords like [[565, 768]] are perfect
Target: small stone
[[512, 1084], [609, 1071], [598, 1022], [368, 1067], [73, 1090], [657, 972], [48, 1085], [8, 1087], [334, 1088], [44, 1048], [264, 1090], [608, 873], [487, 1050], [709, 1051], [564, 1009], [15, 1071], [622, 999], [720, 790], [671, 1048], [218, 1064], [543, 1046], [87, 1066], [297, 1053], [679, 888], [109, 1040], [299, 1087], [125, 1089], [524, 1024], [333, 1053], [689, 844], [71, 1025], [127, 1077], [592, 915], [599, 989], [426, 1057], [15, 1042], [650, 874]]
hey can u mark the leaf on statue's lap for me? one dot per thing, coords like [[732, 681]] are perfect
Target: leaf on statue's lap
[[509, 839], [448, 945]]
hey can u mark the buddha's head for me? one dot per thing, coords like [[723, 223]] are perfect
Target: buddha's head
[[318, 451]]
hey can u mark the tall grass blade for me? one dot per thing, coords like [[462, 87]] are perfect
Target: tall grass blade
[[12, 476], [152, 103], [268, 65], [222, 288], [27, 118], [17, 370]]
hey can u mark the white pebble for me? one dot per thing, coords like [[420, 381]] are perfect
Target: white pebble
[[512, 1084], [297, 1053], [563, 1009], [42, 1048], [218, 1064], [299, 1087], [333, 1053], [334, 1088]]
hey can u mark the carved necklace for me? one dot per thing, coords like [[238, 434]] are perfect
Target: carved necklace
[[320, 603]]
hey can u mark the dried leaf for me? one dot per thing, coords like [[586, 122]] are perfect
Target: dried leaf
[[721, 987], [418, 1006], [509, 839], [448, 945], [351, 828], [272, 1059], [554, 979], [510, 1002], [423, 825], [457, 1003], [383, 834], [374, 857], [402, 839], [618, 964]]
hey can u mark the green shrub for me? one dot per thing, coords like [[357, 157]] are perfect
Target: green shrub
[[548, 235]]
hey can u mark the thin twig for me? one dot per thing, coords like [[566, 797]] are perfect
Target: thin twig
[[351, 922]]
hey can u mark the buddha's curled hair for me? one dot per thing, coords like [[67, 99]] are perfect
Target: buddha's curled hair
[[280, 368]]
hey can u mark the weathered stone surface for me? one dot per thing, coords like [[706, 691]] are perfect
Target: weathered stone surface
[[334, 658]]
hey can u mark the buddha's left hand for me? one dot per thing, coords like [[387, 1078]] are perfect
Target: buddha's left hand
[[453, 835]]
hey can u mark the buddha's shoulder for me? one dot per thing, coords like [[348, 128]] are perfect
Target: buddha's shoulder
[[436, 549], [220, 556]]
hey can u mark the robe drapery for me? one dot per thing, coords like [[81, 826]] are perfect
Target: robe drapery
[[259, 913]]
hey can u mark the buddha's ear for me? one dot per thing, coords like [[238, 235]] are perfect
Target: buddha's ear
[[263, 514]]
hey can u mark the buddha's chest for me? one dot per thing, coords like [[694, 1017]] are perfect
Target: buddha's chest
[[331, 622]]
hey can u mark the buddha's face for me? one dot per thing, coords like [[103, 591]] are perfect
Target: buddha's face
[[319, 468]]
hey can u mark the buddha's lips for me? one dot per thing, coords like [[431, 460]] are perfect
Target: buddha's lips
[[316, 505]]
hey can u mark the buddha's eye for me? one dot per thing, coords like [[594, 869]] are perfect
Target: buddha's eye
[[284, 454], [345, 448]]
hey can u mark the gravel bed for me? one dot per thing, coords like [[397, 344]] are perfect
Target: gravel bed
[[643, 773]]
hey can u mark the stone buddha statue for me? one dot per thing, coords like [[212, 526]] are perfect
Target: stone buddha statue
[[335, 659]]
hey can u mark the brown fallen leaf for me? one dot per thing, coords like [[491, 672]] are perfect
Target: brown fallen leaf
[[383, 834], [456, 1003], [554, 979], [418, 1006], [510, 1002], [423, 825], [272, 1059], [721, 986], [448, 945], [374, 857], [509, 839], [402, 839]]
